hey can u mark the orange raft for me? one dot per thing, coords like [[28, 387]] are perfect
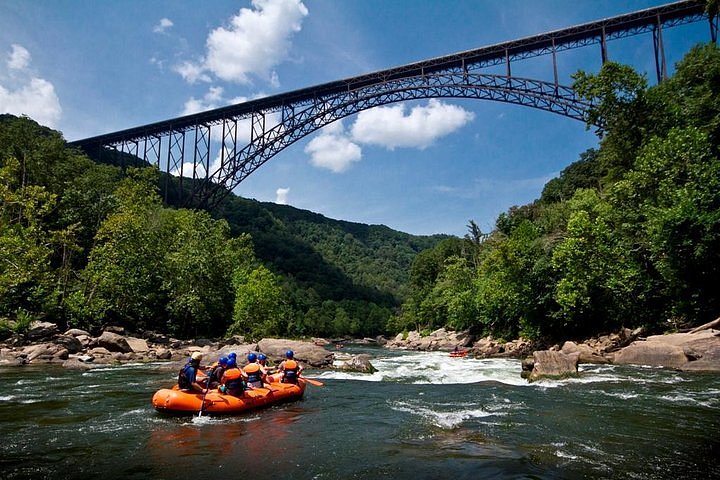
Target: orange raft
[[459, 353], [174, 401]]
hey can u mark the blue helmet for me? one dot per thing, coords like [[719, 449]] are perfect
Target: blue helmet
[[252, 357], [232, 355], [223, 361], [289, 354], [262, 357], [231, 363]]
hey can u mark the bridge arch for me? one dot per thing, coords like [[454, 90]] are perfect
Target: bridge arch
[[295, 125]]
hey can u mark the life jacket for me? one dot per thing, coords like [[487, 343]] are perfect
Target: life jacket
[[184, 381], [290, 371], [254, 374], [233, 380]]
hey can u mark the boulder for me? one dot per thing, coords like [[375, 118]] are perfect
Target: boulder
[[137, 345], [72, 344], [76, 364], [114, 342], [550, 364], [305, 352], [586, 353], [698, 351], [76, 332], [358, 363], [41, 331]]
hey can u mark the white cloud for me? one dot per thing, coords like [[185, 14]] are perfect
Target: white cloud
[[212, 99], [253, 43], [390, 127], [281, 195], [192, 72], [19, 58], [163, 25], [333, 149], [25, 93]]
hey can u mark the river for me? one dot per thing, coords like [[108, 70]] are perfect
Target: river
[[421, 416]]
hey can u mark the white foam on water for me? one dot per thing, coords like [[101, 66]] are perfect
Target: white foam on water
[[692, 399], [446, 419], [436, 368], [622, 395], [5, 398]]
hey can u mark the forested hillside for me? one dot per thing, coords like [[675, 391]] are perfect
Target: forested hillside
[[629, 235], [87, 244]]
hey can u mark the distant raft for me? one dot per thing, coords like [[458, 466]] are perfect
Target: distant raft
[[458, 353], [178, 402]]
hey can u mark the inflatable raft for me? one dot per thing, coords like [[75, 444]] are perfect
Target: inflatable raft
[[178, 402], [459, 353]]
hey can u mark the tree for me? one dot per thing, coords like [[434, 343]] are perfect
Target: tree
[[26, 246], [259, 308]]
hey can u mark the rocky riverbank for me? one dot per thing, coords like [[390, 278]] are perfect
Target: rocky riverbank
[[698, 350], [43, 343]]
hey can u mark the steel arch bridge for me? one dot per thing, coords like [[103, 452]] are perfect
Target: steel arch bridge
[[222, 147]]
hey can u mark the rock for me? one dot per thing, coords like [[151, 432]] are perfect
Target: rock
[[41, 331], [550, 364], [114, 342], [76, 364], [698, 351], [163, 354], [85, 358], [76, 332], [305, 352], [115, 329], [527, 367], [651, 353], [11, 358], [72, 344], [358, 363], [587, 354], [137, 345]]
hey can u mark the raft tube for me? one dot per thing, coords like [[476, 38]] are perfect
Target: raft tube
[[178, 402], [459, 353]]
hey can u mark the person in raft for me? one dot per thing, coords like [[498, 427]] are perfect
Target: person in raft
[[262, 360], [254, 371], [233, 380], [187, 378], [289, 368], [217, 372]]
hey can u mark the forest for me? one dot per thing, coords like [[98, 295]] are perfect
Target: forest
[[628, 235]]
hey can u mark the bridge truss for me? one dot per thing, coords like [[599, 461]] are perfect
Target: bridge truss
[[219, 148]]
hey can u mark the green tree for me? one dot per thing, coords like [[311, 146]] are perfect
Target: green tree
[[26, 246], [259, 308]]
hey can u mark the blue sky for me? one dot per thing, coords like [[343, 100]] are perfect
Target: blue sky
[[87, 67]]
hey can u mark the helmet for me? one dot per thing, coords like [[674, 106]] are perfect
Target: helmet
[[232, 355], [223, 361], [289, 354], [231, 363], [197, 356], [252, 357], [262, 357]]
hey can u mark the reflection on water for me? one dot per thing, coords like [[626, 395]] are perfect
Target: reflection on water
[[421, 416]]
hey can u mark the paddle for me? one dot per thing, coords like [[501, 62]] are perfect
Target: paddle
[[202, 404], [311, 381]]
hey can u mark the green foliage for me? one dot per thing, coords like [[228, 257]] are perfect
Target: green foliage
[[628, 235], [259, 306], [26, 279]]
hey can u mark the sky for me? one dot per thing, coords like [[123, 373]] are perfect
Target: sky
[[88, 67]]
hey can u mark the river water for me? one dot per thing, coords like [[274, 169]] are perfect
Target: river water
[[421, 416]]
